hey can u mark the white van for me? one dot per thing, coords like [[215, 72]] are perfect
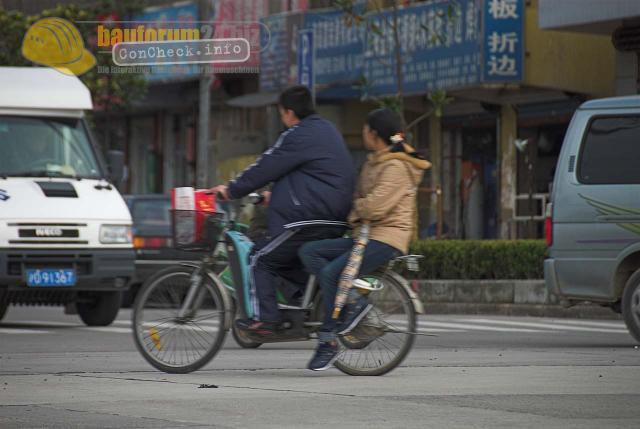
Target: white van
[[65, 231]]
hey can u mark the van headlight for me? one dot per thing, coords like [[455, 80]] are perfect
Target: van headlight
[[115, 234]]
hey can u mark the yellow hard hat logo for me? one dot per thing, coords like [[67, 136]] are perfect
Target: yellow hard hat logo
[[56, 42]]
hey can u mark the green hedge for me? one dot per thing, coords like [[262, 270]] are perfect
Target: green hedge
[[480, 259]]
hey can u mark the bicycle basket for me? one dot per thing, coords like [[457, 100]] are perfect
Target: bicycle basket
[[196, 230]]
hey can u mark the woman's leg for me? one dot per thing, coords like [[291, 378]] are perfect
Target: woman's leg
[[315, 255], [376, 254]]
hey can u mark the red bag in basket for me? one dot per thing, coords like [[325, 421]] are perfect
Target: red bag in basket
[[192, 208]]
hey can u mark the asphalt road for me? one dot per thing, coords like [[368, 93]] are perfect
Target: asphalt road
[[480, 372]]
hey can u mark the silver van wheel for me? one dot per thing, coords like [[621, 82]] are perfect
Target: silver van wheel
[[3, 309], [631, 305]]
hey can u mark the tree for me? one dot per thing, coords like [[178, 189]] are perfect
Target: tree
[[108, 91], [355, 14]]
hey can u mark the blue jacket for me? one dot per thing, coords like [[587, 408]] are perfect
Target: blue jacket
[[312, 172]]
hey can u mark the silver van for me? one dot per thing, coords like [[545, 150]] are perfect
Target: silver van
[[593, 220]]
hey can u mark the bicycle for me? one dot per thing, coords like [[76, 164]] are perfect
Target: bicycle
[[183, 313]]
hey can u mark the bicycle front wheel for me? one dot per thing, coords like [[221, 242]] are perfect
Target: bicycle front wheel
[[174, 343]]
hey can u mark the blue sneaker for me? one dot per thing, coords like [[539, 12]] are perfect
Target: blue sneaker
[[324, 357], [354, 313]]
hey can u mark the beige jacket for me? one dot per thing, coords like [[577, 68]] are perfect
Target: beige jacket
[[386, 196]]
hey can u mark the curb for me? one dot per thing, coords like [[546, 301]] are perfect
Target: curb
[[501, 297]]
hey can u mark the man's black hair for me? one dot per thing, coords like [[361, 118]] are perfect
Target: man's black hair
[[297, 98]]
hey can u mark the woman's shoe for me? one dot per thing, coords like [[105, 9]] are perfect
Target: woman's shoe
[[355, 312], [324, 357]]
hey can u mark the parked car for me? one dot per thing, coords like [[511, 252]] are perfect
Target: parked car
[[593, 220], [152, 239]]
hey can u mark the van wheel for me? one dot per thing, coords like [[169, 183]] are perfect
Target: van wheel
[[631, 305], [100, 309], [3, 309]]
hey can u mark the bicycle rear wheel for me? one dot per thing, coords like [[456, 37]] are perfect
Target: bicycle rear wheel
[[176, 344], [383, 338]]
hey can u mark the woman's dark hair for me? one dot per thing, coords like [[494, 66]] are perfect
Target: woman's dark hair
[[297, 98], [385, 123]]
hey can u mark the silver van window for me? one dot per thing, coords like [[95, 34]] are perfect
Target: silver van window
[[610, 152]]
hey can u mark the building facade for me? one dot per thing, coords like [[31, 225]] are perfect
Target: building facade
[[514, 70]]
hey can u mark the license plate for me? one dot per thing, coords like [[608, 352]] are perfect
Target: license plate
[[51, 277]]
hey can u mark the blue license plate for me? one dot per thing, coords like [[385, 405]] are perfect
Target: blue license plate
[[51, 277]]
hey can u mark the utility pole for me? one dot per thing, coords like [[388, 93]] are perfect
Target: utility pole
[[204, 169]]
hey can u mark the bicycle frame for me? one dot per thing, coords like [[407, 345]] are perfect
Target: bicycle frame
[[192, 299], [238, 248]]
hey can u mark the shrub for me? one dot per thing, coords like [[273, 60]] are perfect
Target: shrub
[[480, 259]]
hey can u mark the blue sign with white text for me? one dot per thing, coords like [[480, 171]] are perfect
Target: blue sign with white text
[[338, 47], [503, 41], [444, 44], [305, 59], [440, 48]]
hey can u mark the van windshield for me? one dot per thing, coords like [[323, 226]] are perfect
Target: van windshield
[[46, 147]]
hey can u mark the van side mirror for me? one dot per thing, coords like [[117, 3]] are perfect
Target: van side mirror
[[115, 162]]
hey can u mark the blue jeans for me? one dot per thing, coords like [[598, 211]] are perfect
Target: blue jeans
[[327, 258]]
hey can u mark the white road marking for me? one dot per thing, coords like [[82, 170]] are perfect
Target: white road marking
[[107, 329], [549, 326], [613, 325], [469, 327], [436, 330], [46, 323], [11, 331], [404, 323]]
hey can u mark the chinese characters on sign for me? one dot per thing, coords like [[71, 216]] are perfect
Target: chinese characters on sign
[[338, 47], [444, 45], [278, 60], [440, 48], [503, 46]]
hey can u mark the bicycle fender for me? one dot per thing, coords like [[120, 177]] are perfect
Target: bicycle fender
[[415, 299]]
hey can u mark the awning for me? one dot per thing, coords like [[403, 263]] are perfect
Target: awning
[[257, 99]]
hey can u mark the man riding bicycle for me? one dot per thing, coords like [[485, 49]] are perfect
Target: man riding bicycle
[[313, 182]]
